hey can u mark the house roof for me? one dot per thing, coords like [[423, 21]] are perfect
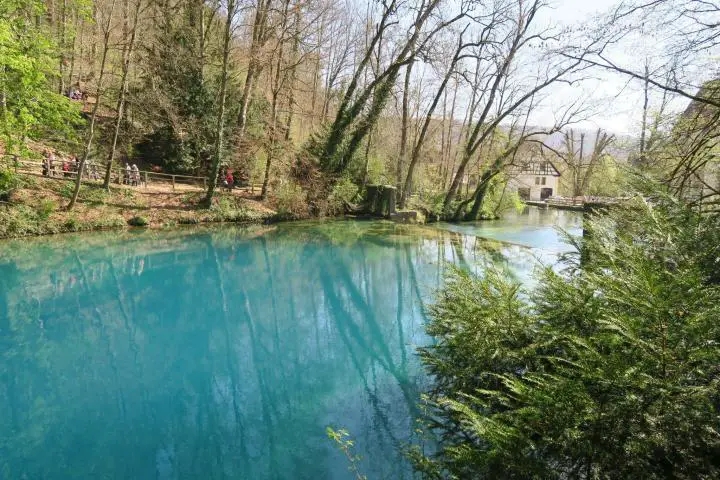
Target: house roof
[[534, 167]]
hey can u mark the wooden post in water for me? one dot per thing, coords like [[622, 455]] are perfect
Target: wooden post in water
[[390, 199]]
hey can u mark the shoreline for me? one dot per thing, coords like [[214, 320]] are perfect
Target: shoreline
[[155, 227], [36, 208]]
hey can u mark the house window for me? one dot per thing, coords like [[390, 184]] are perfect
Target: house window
[[543, 181], [537, 180]]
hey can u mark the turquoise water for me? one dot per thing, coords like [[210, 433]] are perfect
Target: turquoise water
[[226, 352]]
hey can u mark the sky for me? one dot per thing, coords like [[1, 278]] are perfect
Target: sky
[[617, 101]]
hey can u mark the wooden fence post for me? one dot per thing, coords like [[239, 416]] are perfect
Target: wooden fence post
[[173, 180], [204, 183], [146, 180]]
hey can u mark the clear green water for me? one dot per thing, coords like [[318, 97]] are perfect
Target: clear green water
[[225, 353]]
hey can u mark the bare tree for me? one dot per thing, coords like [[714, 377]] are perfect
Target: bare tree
[[231, 7], [695, 30], [419, 142], [578, 164], [519, 134], [495, 81], [359, 109], [106, 17], [261, 32], [127, 53]]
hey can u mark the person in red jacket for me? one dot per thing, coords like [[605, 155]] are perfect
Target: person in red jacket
[[229, 181]]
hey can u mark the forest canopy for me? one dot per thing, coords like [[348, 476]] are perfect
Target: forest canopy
[[438, 99]]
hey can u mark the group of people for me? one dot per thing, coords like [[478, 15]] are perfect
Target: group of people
[[51, 167], [67, 167], [226, 179], [132, 175], [75, 94]]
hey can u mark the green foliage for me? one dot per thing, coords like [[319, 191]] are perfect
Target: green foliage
[[45, 209], [342, 438], [165, 148], [27, 58], [71, 224], [290, 201], [66, 190], [88, 193], [138, 221], [227, 209], [499, 199], [343, 193], [181, 114], [8, 183], [608, 179], [24, 220], [607, 370]]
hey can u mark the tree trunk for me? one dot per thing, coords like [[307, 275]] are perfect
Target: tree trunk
[[276, 86], [293, 75], [93, 118], [127, 56], [480, 192], [259, 37], [404, 133], [61, 28], [219, 137], [428, 119], [646, 92], [367, 160]]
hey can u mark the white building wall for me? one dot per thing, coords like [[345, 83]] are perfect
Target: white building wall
[[529, 181]]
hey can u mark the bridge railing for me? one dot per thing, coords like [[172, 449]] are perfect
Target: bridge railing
[[565, 201], [580, 201], [95, 173]]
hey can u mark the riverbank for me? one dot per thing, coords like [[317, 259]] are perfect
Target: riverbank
[[36, 207]]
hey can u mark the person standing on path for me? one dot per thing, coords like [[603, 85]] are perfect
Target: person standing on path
[[135, 175], [229, 181]]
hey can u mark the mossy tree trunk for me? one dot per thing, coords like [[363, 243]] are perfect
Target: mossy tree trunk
[[220, 132]]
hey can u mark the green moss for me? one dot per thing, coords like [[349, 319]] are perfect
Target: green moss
[[23, 220], [138, 221]]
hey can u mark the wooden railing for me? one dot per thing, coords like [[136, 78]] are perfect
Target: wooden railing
[[96, 173], [565, 201], [558, 201]]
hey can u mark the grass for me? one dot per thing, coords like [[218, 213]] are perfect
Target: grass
[[36, 207], [24, 220]]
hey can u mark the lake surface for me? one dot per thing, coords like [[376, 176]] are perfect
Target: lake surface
[[226, 352]]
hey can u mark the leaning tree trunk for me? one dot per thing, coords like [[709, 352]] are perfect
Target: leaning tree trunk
[[127, 55], [479, 196], [219, 138], [93, 118], [426, 124]]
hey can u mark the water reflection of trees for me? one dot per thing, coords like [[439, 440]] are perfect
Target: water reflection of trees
[[213, 354]]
